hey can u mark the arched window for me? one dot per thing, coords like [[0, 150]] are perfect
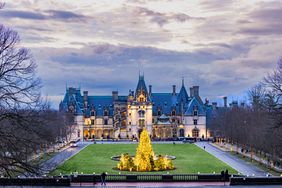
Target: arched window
[[141, 113], [181, 132]]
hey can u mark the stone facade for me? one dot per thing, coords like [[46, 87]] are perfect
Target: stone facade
[[164, 115]]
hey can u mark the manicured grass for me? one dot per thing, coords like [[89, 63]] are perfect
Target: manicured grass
[[97, 158]]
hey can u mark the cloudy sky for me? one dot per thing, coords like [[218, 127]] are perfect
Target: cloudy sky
[[225, 47]]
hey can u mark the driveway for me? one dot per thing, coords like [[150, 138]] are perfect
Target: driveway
[[64, 155], [238, 164]]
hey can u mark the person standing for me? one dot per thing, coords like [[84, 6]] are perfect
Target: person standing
[[103, 178], [226, 175]]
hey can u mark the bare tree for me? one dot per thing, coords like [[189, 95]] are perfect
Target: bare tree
[[21, 121], [259, 125], [274, 79]]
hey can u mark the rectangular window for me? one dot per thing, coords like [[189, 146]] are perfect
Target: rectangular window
[[92, 121], [195, 112], [141, 122], [195, 122], [105, 122]]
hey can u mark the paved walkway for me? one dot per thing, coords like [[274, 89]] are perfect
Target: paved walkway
[[64, 155], [233, 161]]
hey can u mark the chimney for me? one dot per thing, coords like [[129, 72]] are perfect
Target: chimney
[[173, 89], [191, 92], [115, 95], [196, 91], [85, 97], [206, 101], [214, 105], [225, 101], [150, 90]]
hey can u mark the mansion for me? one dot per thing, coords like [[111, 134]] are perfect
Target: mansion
[[164, 115]]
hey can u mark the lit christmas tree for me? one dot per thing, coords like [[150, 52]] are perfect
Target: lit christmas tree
[[144, 158]]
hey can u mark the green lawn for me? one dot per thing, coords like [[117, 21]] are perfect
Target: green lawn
[[97, 158]]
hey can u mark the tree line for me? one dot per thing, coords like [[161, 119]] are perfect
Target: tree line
[[27, 123], [257, 125]]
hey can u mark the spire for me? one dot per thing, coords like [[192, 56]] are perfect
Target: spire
[[141, 87], [141, 76], [182, 96]]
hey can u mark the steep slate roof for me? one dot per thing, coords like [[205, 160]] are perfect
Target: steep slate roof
[[100, 103], [141, 86], [165, 101], [195, 103], [72, 97], [182, 96]]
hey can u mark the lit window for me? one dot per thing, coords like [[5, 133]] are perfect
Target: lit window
[[141, 122], [195, 133], [92, 121]]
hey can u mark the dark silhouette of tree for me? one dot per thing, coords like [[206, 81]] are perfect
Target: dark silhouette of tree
[[27, 124]]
